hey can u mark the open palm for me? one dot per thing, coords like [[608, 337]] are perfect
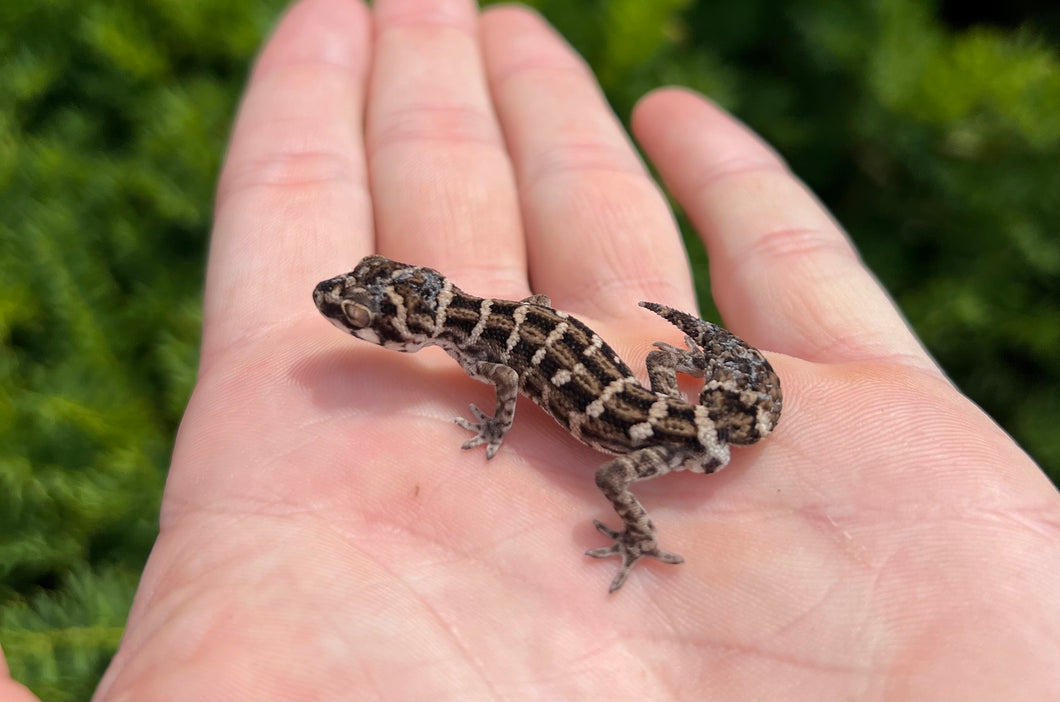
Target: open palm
[[322, 534]]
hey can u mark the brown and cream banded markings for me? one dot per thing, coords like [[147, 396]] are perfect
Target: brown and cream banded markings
[[565, 368]]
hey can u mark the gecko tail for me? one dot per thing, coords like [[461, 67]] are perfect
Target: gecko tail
[[734, 373], [704, 333]]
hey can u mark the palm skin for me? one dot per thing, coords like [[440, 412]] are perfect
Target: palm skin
[[322, 535]]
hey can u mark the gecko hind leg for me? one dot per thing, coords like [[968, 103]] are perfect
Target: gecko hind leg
[[639, 538], [538, 299]]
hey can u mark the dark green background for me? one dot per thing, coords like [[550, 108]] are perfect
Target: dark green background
[[934, 136]]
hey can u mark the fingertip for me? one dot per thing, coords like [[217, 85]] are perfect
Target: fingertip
[[666, 98], [331, 31], [513, 13], [658, 103], [665, 120], [517, 36]]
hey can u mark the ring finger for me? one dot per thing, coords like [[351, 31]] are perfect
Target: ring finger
[[600, 235]]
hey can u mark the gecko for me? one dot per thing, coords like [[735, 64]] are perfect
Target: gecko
[[530, 348]]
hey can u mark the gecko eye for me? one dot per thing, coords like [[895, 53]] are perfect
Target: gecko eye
[[358, 315]]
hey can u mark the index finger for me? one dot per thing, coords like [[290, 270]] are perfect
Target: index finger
[[292, 202]]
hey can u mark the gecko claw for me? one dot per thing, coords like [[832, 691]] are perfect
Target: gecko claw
[[630, 549]]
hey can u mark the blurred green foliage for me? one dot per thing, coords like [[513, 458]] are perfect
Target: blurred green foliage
[[932, 137]]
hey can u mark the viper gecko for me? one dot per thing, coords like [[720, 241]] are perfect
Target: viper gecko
[[528, 347]]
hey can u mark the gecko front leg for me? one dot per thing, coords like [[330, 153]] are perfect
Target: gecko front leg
[[491, 430]]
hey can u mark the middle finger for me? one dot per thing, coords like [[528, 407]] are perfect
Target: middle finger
[[442, 184]]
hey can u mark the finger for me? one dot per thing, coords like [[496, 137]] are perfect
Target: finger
[[11, 690], [443, 187], [784, 274], [292, 205], [600, 236]]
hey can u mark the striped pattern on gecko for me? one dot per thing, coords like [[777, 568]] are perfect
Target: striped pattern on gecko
[[565, 368]]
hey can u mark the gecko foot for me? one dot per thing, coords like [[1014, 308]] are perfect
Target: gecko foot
[[488, 430], [691, 360], [630, 548]]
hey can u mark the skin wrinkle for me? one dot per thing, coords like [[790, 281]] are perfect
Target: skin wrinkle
[[778, 245], [837, 343], [531, 57], [443, 625], [531, 68], [702, 643], [451, 124], [302, 144], [387, 19], [712, 177], [823, 333], [466, 648], [293, 169], [580, 160], [213, 353], [763, 217], [272, 70], [776, 248], [572, 67]]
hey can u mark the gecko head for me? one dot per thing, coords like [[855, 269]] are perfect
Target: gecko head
[[383, 302]]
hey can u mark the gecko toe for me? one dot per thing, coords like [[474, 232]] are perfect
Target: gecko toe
[[604, 551], [607, 531], [479, 414]]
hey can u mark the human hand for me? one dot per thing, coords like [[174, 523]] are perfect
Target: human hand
[[323, 536]]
